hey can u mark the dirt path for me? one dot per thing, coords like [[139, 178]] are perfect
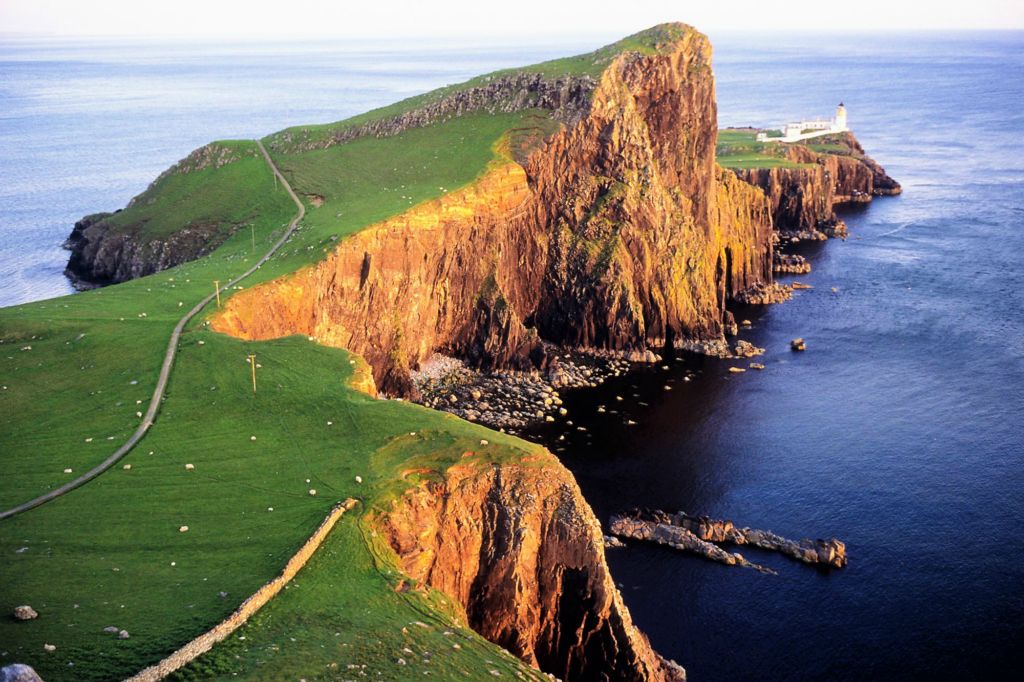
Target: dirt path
[[168, 364]]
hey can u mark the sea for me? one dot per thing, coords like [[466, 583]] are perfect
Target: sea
[[900, 430]]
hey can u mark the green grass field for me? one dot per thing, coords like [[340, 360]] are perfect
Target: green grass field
[[111, 552], [739, 149], [76, 371]]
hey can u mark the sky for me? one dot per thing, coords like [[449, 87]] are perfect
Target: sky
[[483, 20]]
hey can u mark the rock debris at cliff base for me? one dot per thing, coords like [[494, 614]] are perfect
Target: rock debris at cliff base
[[512, 400]]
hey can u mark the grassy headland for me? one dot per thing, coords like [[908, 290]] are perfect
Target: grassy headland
[[76, 371]]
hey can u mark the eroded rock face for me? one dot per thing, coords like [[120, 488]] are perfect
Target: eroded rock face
[[803, 199], [567, 98], [518, 547], [101, 256], [619, 233]]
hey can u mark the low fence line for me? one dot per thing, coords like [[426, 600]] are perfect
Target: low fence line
[[204, 642]]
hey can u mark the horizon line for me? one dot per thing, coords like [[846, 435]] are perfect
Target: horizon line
[[532, 37]]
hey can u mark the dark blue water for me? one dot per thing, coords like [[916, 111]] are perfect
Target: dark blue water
[[898, 430]]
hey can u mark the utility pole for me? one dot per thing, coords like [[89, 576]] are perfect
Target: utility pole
[[252, 363], [216, 286], [252, 230]]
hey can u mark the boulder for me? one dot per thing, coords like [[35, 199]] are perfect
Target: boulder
[[25, 612], [19, 672]]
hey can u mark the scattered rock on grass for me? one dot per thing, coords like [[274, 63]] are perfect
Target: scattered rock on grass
[[25, 612]]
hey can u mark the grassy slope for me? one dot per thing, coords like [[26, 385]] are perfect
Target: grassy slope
[[103, 554], [68, 388], [215, 200], [738, 148]]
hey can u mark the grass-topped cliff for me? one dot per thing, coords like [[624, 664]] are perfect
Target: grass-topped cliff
[[804, 181], [77, 371]]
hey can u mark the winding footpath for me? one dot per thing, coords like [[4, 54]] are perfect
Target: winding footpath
[[168, 364]]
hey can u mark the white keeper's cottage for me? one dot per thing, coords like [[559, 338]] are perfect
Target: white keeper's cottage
[[803, 130]]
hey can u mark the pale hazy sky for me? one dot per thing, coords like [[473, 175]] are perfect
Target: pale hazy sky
[[468, 19]]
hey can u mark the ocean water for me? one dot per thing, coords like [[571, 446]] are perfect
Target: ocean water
[[899, 430]]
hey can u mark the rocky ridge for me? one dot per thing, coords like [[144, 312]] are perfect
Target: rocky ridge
[[698, 533], [567, 98]]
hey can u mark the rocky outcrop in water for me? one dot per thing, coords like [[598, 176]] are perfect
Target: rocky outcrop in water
[[790, 263], [518, 547], [620, 233], [688, 532]]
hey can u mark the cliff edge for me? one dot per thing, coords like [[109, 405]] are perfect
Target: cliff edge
[[517, 546], [617, 232], [805, 182]]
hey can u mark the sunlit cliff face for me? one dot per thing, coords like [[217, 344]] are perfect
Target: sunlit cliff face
[[616, 232]]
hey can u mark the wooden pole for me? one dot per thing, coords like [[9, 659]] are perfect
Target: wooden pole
[[252, 363], [216, 285]]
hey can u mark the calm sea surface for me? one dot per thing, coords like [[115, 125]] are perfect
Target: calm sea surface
[[899, 430]]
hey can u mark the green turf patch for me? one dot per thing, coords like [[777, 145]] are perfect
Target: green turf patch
[[738, 149], [216, 191]]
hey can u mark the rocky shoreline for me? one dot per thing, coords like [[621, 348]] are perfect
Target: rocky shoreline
[[511, 400]]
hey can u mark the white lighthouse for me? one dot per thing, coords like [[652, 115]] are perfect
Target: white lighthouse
[[839, 122], [807, 129]]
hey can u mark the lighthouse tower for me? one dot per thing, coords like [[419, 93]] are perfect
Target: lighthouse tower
[[839, 122]]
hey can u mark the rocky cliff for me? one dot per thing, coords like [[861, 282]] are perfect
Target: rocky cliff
[[166, 225], [102, 254], [524, 556], [803, 198], [619, 232]]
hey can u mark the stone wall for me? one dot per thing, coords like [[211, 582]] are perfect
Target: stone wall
[[250, 606]]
